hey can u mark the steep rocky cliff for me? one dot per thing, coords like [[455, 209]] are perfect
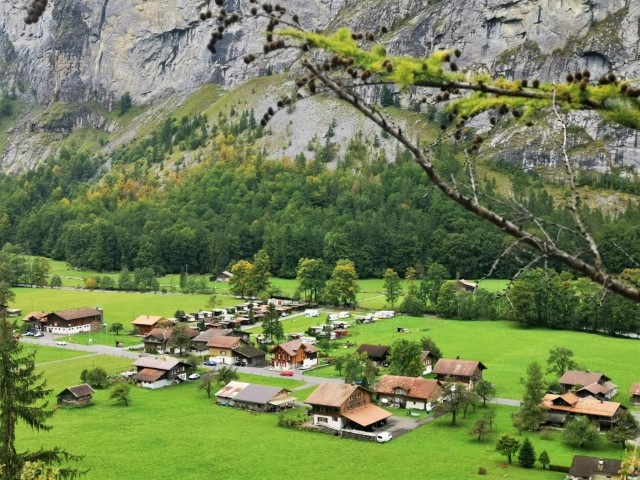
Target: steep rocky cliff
[[95, 51]]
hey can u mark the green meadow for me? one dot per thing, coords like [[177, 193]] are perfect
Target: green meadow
[[178, 432]]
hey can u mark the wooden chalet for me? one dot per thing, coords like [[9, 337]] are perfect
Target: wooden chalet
[[67, 322], [635, 394], [158, 372], [293, 354], [376, 353], [585, 384], [222, 349], [255, 397], [249, 355], [157, 340], [427, 360], [78, 396], [408, 392], [223, 276], [340, 405], [146, 323], [467, 286], [467, 372], [592, 468], [559, 407]]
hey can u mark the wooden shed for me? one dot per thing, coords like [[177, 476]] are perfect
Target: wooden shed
[[78, 396]]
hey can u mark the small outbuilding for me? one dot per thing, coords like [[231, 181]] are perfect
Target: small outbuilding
[[78, 396], [635, 394]]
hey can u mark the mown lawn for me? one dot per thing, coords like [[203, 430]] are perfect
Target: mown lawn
[[193, 439]]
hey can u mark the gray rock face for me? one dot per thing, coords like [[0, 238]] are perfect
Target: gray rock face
[[97, 50]]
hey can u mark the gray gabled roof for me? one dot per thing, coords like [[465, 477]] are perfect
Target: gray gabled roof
[[157, 363], [259, 394], [78, 391]]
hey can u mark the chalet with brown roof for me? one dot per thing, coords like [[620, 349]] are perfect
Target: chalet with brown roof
[[592, 468], [157, 340], [221, 349], [467, 372], [604, 414], [35, 320], [339, 405], [78, 396], [158, 372], [68, 322], [408, 392], [585, 384], [635, 394], [293, 354], [427, 360], [146, 323], [376, 353], [249, 355]]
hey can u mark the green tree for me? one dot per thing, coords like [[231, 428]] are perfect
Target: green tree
[[455, 398], [96, 377], [429, 345], [435, 276], [116, 328], [40, 271], [56, 282], [271, 325], [241, 281], [23, 396], [338, 364], [485, 390], [412, 305], [481, 428], [208, 384], [353, 368], [527, 454], [311, 277], [405, 358], [260, 274], [580, 432], [560, 360], [392, 286], [626, 429], [544, 459], [125, 103], [507, 445], [121, 393], [531, 413], [342, 287], [447, 305], [227, 374], [125, 282], [180, 338]]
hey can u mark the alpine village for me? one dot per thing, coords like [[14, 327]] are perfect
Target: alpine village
[[321, 239]]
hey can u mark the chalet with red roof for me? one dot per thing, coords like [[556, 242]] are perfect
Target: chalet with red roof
[[560, 407], [340, 405], [635, 394], [158, 372], [467, 372], [585, 384], [408, 392], [146, 323], [294, 354]]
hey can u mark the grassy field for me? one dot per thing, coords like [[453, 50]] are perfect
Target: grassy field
[[192, 438]]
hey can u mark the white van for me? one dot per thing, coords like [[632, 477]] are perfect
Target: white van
[[383, 437], [311, 313]]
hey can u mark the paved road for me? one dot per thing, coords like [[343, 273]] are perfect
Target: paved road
[[49, 340]]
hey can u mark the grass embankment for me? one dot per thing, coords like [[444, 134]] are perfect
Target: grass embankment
[[195, 438]]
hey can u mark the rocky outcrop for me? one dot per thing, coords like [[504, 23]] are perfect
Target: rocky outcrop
[[97, 50]]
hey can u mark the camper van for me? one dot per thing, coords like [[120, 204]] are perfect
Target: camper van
[[344, 315], [311, 313]]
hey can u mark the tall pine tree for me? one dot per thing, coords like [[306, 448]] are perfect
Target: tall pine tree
[[527, 454], [22, 399]]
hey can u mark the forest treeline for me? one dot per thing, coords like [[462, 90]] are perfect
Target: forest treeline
[[152, 210]]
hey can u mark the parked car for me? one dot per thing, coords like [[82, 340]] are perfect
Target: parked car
[[286, 373], [305, 367], [194, 376], [38, 334], [383, 437], [28, 334], [210, 363], [61, 343]]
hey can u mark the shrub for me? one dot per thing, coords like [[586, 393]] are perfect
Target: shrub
[[482, 471]]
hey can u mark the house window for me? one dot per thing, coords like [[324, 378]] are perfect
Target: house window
[[222, 354], [323, 420]]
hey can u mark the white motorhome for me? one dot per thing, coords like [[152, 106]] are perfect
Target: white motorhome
[[384, 314], [311, 313], [344, 315]]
